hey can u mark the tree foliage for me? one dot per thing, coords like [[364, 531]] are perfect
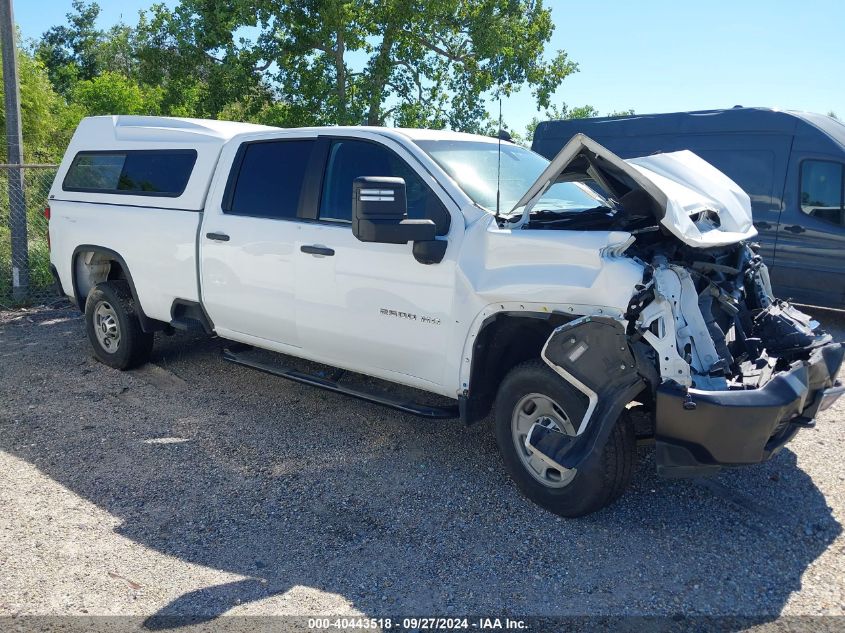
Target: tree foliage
[[433, 63], [46, 120], [112, 92], [409, 62], [71, 51]]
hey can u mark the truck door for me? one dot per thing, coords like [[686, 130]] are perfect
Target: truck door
[[373, 306], [810, 255], [248, 240]]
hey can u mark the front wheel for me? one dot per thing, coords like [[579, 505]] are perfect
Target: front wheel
[[532, 393], [113, 327]]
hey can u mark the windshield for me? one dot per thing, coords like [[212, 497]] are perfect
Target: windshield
[[474, 166]]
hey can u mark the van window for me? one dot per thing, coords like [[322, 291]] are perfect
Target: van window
[[752, 170], [137, 172], [267, 178], [350, 159], [821, 190]]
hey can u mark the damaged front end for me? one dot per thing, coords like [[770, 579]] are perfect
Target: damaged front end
[[726, 373], [739, 372]]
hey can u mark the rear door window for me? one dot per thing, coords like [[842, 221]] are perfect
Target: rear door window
[[822, 190], [136, 172], [267, 178]]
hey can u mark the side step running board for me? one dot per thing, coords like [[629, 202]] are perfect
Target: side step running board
[[187, 324], [384, 399]]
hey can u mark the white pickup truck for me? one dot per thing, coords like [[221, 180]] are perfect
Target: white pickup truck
[[571, 297]]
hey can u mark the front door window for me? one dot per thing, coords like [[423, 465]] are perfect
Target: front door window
[[350, 159]]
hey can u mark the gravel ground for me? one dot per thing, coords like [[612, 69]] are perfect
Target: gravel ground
[[192, 486]]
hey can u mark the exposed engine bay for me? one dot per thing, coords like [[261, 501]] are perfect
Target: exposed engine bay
[[728, 372], [711, 320]]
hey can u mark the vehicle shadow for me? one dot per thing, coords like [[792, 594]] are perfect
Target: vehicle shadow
[[291, 487]]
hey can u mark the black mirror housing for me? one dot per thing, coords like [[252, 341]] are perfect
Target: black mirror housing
[[379, 198], [380, 212]]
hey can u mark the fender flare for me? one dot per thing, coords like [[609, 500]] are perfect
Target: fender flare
[[147, 324], [529, 309], [593, 355]]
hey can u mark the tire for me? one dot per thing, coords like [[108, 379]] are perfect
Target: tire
[[599, 480], [113, 328]]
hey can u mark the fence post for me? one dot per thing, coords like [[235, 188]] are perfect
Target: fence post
[[14, 143]]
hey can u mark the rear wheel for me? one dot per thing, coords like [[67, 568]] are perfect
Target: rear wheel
[[532, 393], [113, 328]]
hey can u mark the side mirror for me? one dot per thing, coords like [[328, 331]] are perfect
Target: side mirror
[[380, 213]]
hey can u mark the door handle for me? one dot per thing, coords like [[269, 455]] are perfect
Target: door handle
[[317, 250], [795, 228], [220, 237], [762, 225]]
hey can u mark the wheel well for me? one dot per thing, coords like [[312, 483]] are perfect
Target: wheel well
[[116, 270], [92, 265], [504, 341]]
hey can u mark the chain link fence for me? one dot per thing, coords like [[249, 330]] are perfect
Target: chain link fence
[[25, 277]]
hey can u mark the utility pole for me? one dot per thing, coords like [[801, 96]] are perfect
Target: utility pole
[[14, 144]]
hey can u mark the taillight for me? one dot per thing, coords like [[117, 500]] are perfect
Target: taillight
[[47, 215]]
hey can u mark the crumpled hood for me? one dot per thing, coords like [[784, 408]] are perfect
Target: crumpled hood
[[693, 200]]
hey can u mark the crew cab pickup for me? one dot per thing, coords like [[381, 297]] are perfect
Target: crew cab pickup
[[589, 301]]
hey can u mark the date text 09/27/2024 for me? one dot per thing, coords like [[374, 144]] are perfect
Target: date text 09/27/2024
[[418, 623]]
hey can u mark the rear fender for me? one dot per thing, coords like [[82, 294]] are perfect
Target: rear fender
[[86, 254]]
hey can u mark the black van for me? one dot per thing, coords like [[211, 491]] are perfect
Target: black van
[[791, 164]]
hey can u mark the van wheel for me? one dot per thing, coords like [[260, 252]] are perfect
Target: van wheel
[[532, 392], [113, 327]]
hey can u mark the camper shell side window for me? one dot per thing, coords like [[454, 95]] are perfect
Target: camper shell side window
[[163, 173]]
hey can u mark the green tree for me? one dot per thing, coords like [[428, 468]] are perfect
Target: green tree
[[113, 93], [832, 115], [80, 51], [197, 79], [411, 62], [46, 120], [70, 51]]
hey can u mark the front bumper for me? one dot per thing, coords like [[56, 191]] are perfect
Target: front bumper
[[700, 431]]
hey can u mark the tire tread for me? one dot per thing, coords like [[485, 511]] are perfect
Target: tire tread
[[601, 479], [138, 343]]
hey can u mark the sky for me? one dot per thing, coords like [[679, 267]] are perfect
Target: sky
[[650, 55]]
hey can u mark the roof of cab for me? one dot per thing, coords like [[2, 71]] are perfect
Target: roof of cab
[[175, 129], [738, 119]]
